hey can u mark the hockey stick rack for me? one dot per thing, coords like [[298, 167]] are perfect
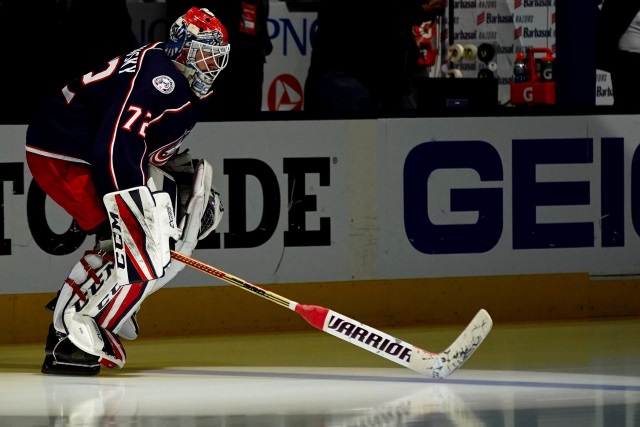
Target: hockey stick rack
[[432, 365]]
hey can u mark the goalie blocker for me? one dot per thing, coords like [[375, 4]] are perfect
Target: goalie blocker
[[98, 303]]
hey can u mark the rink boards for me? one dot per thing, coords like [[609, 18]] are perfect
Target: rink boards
[[391, 221]]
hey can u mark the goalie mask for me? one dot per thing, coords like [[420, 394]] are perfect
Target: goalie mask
[[199, 46]]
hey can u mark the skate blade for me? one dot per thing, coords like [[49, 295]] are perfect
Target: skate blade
[[52, 367]]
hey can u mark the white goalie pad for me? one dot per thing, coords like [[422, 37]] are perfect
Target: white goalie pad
[[85, 334], [180, 169], [202, 214], [194, 183], [142, 223], [92, 290], [129, 329], [159, 180], [196, 208], [85, 297], [89, 281]]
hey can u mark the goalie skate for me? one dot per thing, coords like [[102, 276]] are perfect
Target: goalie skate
[[64, 358]]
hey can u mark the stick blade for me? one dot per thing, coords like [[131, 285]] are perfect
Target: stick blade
[[441, 365]]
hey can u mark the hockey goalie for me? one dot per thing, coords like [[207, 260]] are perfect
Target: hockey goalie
[[98, 302], [106, 149]]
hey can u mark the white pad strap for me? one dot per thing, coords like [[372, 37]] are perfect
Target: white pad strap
[[141, 223]]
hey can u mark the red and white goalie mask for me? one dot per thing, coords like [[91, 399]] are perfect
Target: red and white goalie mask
[[199, 46]]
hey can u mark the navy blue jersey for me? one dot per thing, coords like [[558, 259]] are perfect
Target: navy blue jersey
[[135, 110]]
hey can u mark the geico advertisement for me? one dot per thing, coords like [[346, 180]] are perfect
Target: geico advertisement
[[487, 196], [398, 198]]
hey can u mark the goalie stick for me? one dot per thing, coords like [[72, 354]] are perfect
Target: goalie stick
[[434, 365]]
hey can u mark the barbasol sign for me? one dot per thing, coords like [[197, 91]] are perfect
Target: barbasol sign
[[499, 19], [465, 4]]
